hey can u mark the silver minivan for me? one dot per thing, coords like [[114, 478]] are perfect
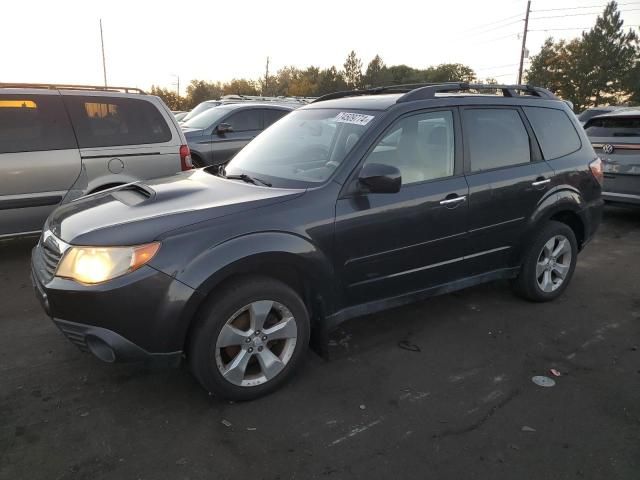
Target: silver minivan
[[58, 143]]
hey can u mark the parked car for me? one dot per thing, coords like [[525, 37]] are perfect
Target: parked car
[[229, 99], [179, 115], [615, 137], [60, 142], [589, 113], [418, 193], [198, 109], [217, 134]]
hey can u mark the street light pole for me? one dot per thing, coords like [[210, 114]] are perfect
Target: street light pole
[[104, 62]]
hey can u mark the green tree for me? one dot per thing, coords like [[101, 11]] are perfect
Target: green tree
[[171, 98], [376, 74], [608, 55], [199, 90], [353, 71], [330, 80], [241, 86], [598, 68], [450, 72]]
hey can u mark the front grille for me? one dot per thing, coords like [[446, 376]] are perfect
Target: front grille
[[50, 253]]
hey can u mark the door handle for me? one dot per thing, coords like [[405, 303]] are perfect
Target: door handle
[[450, 201], [537, 183]]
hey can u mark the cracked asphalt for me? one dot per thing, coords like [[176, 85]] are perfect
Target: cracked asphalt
[[437, 390]]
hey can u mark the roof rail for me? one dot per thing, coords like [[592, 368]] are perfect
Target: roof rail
[[427, 92], [62, 86], [401, 88]]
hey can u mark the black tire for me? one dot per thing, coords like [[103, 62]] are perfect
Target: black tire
[[214, 316], [526, 285]]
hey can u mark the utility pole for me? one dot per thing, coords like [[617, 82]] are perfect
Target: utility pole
[[104, 62], [266, 79], [524, 41]]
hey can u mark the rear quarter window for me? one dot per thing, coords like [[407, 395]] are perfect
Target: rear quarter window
[[111, 121], [554, 130], [32, 123]]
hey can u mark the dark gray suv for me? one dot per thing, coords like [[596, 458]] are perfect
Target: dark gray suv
[[217, 134], [359, 202]]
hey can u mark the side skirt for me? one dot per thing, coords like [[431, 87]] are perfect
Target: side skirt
[[332, 321]]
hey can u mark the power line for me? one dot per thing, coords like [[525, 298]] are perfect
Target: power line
[[573, 28], [494, 22], [586, 6], [579, 14], [495, 28]]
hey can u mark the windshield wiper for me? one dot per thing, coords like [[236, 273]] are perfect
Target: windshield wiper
[[246, 178]]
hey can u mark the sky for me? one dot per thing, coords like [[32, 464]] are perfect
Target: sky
[[156, 42]]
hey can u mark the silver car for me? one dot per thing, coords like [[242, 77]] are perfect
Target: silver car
[[615, 137], [58, 143]]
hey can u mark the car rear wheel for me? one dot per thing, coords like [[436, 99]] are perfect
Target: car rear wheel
[[249, 339], [548, 264]]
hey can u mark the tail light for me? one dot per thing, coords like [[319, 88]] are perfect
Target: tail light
[[185, 158], [597, 171]]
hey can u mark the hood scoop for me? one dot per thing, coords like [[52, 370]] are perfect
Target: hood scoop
[[133, 194]]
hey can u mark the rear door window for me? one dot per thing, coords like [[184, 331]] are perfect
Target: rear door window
[[272, 116], [554, 130], [245, 120], [495, 138], [613, 127], [31, 123], [112, 121]]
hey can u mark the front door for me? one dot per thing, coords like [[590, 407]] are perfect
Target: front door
[[394, 243], [507, 180]]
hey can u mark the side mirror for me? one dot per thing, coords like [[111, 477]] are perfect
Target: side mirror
[[379, 178], [224, 128]]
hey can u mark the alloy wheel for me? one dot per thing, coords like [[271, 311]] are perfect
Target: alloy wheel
[[256, 343], [554, 263]]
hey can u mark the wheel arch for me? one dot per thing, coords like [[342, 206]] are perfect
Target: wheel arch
[[291, 259], [565, 205]]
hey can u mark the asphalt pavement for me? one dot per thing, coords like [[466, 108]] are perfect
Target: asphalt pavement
[[437, 390]]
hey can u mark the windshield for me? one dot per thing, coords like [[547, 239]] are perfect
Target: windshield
[[201, 107], [206, 119], [303, 148]]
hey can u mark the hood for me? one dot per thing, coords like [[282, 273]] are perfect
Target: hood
[[140, 212]]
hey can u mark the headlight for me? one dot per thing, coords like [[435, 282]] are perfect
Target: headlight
[[99, 264]]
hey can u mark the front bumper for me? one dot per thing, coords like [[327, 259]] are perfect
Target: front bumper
[[141, 316]]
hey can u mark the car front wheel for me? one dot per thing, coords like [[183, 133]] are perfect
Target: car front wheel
[[249, 339], [548, 264]]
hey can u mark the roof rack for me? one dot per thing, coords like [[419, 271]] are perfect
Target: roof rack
[[425, 93], [260, 98], [401, 88], [62, 86]]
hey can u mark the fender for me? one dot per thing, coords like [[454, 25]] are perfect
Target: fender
[[560, 198], [249, 253]]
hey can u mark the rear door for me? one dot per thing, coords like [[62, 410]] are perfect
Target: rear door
[[246, 124], [507, 179], [123, 139], [39, 159], [616, 139]]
